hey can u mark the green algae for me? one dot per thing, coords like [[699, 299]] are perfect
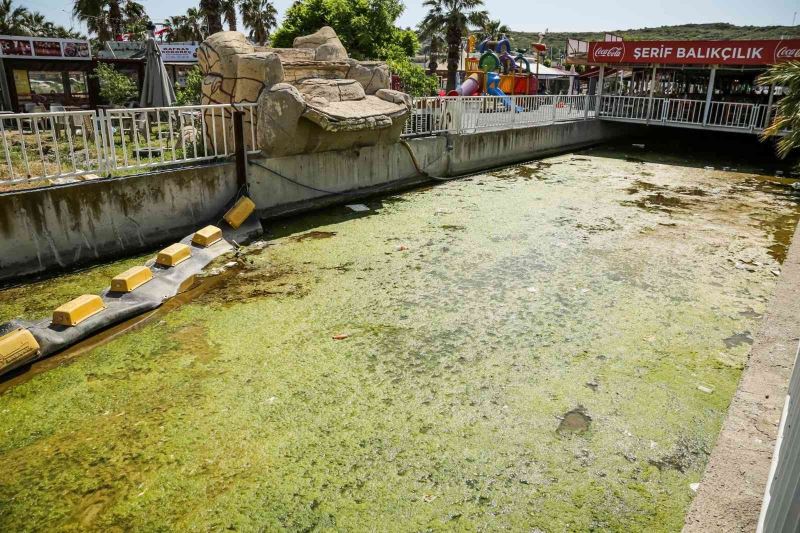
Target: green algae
[[477, 313], [38, 299]]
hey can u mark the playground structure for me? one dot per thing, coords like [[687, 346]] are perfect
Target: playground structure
[[492, 69]]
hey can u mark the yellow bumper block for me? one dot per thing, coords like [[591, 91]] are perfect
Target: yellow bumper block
[[76, 311], [243, 208], [173, 255], [131, 279], [207, 236], [17, 346]]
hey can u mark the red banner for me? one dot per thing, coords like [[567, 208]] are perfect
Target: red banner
[[695, 52]]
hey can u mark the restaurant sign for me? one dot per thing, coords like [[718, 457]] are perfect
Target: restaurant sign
[[695, 52], [43, 48], [178, 52]]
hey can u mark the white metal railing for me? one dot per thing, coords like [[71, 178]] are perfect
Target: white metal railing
[[155, 136], [734, 116], [466, 114], [43, 145], [46, 146]]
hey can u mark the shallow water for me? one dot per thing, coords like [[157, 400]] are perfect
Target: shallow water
[[521, 350]]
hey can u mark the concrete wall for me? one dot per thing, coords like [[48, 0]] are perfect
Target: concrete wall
[[68, 225], [296, 183]]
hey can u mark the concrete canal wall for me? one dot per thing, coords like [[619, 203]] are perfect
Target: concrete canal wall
[[65, 226]]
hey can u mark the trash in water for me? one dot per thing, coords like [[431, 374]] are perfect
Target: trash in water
[[358, 208], [401, 247], [340, 336], [533, 289], [709, 168], [779, 173], [703, 388], [641, 146], [796, 185], [694, 486]]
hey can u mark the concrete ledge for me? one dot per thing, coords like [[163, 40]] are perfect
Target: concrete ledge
[[732, 488], [65, 226]]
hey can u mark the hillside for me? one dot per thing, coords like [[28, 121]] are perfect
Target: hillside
[[717, 30]]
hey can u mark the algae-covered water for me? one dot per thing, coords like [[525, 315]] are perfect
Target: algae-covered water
[[551, 347]]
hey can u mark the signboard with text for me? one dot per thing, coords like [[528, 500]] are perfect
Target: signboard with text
[[178, 52], [43, 48], [695, 52]]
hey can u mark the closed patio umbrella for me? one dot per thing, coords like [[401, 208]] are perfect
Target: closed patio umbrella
[[157, 90]]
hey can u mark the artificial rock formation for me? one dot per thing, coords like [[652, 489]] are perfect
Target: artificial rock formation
[[311, 97]]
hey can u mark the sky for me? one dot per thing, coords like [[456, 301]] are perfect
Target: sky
[[533, 15]]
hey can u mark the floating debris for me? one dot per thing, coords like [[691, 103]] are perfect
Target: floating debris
[[703, 388], [575, 421], [340, 336], [358, 208]]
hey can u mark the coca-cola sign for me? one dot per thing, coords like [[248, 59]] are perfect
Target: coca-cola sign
[[611, 52], [759, 52], [786, 53]]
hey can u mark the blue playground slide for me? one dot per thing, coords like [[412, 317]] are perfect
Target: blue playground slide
[[493, 89]]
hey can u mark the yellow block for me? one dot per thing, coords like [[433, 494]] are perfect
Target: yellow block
[[76, 311], [207, 236], [239, 212], [131, 279], [174, 255], [17, 346]]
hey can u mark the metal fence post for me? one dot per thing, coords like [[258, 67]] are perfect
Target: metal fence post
[[240, 148]]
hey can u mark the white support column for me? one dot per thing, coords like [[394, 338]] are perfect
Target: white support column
[[600, 80], [769, 106], [652, 90], [709, 95]]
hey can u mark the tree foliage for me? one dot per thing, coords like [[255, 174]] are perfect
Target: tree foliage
[[191, 92], [109, 18], [115, 87], [365, 27], [412, 77], [19, 20], [787, 117], [453, 18], [259, 17], [188, 27]]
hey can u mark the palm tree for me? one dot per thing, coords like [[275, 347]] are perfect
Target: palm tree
[[453, 17], [436, 43], [787, 117], [228, 9], [259, 16], [212, 10], [188, 27], [12, 18], [492, 29], [108, 18]]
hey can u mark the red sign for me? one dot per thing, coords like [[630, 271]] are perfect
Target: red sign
[[695, 52]]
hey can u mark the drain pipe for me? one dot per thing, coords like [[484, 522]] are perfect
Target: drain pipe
[[419, 169]]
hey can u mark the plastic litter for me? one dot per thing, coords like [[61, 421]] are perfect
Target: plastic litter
[[358, 208]]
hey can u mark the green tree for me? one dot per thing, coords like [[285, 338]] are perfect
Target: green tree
[[453, 18], [412, 77], [364, 26], [191, 92], [259, 17], [115, 87], [787, 116]]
